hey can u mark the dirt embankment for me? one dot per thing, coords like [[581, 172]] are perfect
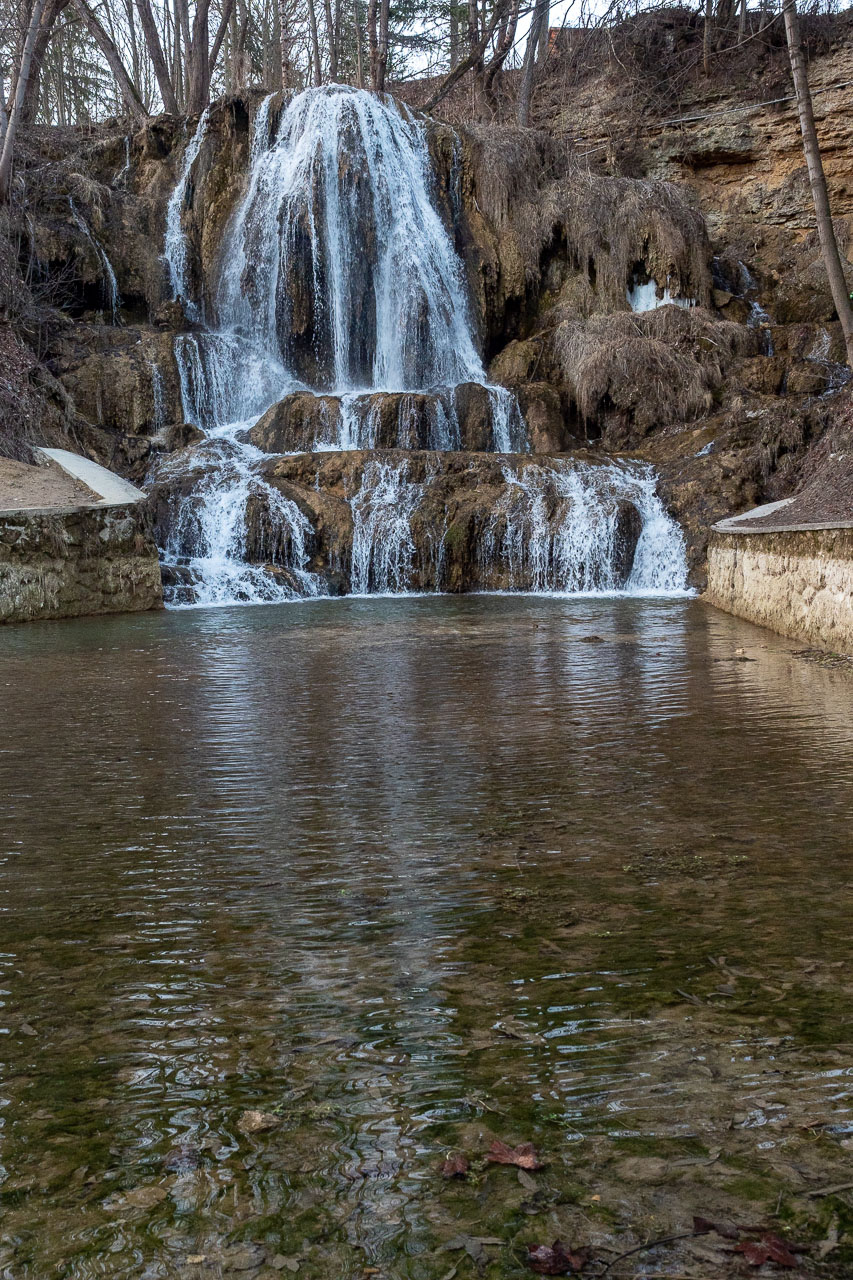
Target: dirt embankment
[[25, 487]]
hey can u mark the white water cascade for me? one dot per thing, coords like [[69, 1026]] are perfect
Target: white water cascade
[[560, 526], [338, 278]]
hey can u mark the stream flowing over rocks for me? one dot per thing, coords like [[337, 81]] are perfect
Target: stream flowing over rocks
[[343, 434]]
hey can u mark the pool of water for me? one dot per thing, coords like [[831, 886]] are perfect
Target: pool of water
[[406, 876]]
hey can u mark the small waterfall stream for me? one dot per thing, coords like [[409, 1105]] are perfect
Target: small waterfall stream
[[111, 293], [339, 282]]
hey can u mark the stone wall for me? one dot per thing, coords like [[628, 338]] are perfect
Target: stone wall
[[797, 582], [63, 564]]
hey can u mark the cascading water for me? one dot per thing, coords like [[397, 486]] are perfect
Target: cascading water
[[110, 283], [560, 526], [339, 283], [382, 543], [175, 250], [560, 529]]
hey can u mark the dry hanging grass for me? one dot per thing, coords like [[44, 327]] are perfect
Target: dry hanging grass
[[654, 368], [526, 184]]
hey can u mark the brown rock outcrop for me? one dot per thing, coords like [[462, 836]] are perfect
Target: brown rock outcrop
[[460, 417]]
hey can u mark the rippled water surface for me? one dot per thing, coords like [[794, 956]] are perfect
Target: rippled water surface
[[303, 860]]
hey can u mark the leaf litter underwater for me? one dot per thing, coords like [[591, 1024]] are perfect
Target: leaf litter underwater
[[424, 938]]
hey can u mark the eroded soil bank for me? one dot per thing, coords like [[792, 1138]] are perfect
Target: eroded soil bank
[[357, 888]]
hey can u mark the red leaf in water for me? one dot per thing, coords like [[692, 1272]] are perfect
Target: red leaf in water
[[455, 1167], [778, 1251], [523, 1157], [555, 1259], [768, 1249], [756, 1254]]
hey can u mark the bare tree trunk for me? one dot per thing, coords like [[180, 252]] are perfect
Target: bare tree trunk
[[473, 27], [330, 36], [182, 51], [359, 46], [741, 22], [337, 45], [544, 31], [155, 52], [198, 61], [137, 68], [285, 46], [528, 72], [454, 36], [506, 39], [227, 9], [373, 42], [50, 13], [382, 52], [129, 92], [706, 38], [177, 57], [474, 56], [315, 44], [17, 106], [817, 179]]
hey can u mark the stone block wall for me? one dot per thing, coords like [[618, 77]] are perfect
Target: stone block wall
[[797, 582], [67, 563]]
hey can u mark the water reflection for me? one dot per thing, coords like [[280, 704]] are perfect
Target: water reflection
[[304, 861]]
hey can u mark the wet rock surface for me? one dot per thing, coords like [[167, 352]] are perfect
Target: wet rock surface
[[456, 418], [426, 521]]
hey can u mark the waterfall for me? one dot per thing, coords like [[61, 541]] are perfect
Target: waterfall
[[121, 175], [559, 528], [338, 285], [175, 251], [337, 272], [206, 551], [110, 283], [382, 544], [158, 398]]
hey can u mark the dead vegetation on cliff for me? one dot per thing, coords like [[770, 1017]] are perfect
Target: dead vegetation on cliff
[[650, 369], [605, 229]]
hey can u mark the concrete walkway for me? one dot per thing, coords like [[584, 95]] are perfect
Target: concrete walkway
[[771, 518], [111, 490]]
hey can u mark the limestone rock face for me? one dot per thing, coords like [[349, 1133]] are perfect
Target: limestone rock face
[[461, 417], [473, 521], [124, 380], [464, 514]]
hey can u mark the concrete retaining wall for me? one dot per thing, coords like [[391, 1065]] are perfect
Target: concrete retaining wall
[[797, 582], [62, 564]]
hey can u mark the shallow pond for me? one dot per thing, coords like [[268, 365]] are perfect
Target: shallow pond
[[408, 876]]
